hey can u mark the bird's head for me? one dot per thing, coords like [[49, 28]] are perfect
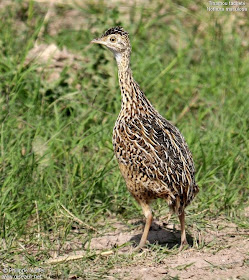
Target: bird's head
[[115, 39]]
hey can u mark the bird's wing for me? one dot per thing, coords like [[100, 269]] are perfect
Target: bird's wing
[[157, 149]]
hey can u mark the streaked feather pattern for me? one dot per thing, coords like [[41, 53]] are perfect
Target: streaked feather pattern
[[150, 147]]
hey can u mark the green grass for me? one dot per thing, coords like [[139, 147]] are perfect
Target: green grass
[[55, 136]]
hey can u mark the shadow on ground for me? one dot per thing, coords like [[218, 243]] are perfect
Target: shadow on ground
[[163, 236]]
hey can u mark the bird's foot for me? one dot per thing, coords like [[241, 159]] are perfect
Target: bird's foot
[[184, 245], [138, 249], [141, 246]]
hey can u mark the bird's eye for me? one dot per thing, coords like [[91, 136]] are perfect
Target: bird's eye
[[112, 39]]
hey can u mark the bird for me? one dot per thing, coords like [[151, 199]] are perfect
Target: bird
[[153, 156]]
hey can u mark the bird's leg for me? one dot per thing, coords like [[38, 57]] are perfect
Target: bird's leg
[[148, 216], [183, 232]]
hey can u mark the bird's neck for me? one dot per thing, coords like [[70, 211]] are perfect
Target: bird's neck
[[131, 94]]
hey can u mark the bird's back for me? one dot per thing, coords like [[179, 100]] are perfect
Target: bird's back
[[153, 156]]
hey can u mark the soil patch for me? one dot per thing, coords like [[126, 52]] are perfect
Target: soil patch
[[221, 254]]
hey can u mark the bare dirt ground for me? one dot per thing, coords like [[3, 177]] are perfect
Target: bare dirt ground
[[221, 254], [218, 249]]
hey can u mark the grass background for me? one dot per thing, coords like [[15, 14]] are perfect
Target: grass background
[[55, 133]]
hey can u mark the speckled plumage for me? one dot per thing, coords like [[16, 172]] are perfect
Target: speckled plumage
[[153, 156]]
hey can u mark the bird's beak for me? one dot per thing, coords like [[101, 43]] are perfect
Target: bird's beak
[[97, 41]]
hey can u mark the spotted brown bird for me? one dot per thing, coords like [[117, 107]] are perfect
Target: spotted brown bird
[[152, 154]]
